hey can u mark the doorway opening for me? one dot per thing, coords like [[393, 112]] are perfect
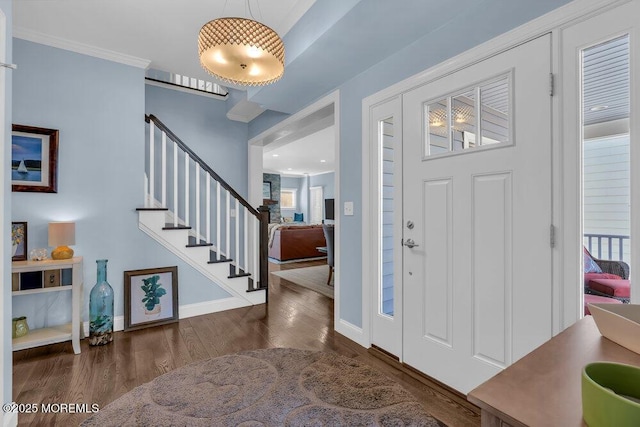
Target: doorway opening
[[298, 156]]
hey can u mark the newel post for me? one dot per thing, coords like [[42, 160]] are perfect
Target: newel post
[[264, 249]]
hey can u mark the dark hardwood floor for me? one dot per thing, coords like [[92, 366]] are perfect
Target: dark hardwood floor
[[295, 317]]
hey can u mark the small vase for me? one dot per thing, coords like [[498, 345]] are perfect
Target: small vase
[[101, 308], [15, 249], [20, 327]]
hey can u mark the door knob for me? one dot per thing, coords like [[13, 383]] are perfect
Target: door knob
[[410, 243]]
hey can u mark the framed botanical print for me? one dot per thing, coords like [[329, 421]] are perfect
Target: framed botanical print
[[150, 297]]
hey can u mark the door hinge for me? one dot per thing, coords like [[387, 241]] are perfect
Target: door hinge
[[551, 84], [552, 236]]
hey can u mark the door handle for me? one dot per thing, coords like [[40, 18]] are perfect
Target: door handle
[[410, 243]]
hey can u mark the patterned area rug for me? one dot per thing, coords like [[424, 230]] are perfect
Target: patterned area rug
[[272, 387], [314, 278]]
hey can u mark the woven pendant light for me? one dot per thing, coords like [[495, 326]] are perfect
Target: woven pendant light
[[241, 51]]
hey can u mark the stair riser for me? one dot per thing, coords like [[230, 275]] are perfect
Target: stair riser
[[198, 253]]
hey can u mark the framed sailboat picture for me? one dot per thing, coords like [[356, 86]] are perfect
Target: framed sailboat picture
[[34, 159]]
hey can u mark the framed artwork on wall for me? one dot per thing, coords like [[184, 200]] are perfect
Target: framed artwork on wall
[[34, 159], [266, 190], [150, 297], [19, 241]]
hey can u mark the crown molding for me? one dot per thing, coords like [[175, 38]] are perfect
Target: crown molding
[[73, 46]]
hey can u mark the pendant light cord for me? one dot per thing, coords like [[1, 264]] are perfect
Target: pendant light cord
[[259, 10], [247, 7], [251, 12]]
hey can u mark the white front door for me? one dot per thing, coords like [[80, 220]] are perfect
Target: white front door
[[477, 211]]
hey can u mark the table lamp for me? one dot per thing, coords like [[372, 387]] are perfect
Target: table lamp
[[62, 234]]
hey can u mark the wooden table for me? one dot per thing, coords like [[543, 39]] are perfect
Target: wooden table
[[544, 387]]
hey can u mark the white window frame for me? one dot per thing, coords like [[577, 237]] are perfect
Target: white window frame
[[486, 143], [294, 192]]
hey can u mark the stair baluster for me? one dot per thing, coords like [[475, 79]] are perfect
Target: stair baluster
[[218, 222], [207, 219], [186, 190], [197, 182], [163, 183], [175, 184], [152, 175]]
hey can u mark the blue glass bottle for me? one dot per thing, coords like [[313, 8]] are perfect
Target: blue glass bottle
[[101, 308]]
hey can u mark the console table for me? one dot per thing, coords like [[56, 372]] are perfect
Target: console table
[[50, 276], [544, 387]]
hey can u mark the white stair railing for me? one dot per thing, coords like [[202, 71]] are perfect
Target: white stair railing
[[233, 228]]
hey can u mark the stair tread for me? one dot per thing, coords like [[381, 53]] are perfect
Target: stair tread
[[219, 261], [233, 276], [152, 209], [196, 245], [180, 227]]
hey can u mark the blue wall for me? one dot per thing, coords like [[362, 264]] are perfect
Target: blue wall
[[327, 181], [5, 296], [201, 122], [98, 107], [299, 184], [302, 186]]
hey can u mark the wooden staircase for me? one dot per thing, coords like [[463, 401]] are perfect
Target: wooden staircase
[[196, 215]]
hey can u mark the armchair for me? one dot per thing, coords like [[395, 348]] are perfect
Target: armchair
[[606, 278], [619, 268]]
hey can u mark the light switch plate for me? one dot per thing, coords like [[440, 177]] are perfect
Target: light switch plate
[[348, 208]]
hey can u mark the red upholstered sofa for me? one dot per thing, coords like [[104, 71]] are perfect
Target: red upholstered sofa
[[296, 241]]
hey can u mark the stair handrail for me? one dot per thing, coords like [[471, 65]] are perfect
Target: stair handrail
[[261, 213], [151, 118]]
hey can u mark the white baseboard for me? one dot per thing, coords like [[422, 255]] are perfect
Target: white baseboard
[[353, 332], [187, 310], [10, 419], [207, 307]]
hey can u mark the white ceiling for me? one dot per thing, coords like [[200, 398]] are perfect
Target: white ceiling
[[339, 39], [164, 32], [606, 81], [303, 156]]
